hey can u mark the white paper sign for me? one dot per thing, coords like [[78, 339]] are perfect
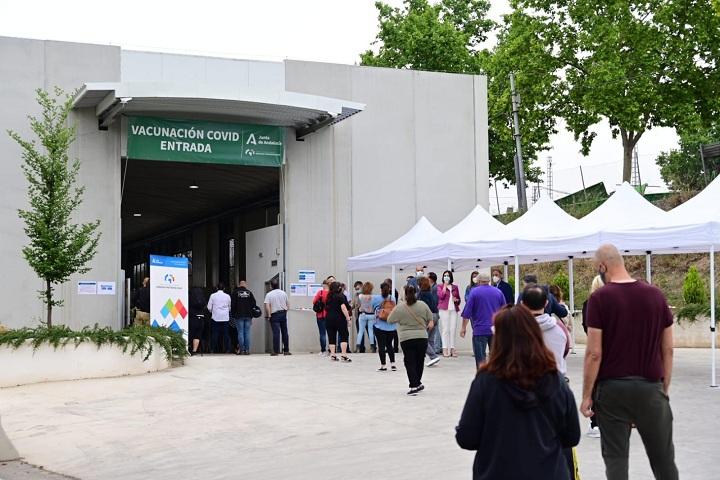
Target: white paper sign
[[106, 288], [306, 276], [313, 288], [298, 290], [87, 287]]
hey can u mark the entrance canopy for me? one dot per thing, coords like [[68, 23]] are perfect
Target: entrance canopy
[[305, 113]]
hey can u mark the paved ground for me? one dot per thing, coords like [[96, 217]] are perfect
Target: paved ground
[[298, 417]]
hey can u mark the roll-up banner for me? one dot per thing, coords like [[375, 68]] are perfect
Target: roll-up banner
[[169, 292]]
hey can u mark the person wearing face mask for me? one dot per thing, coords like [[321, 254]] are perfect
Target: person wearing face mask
[[503, 286], [413, 281], [473, 284], [355, 306], [448, 308]]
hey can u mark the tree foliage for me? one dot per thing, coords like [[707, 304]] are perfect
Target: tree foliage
[[58, 247], [447, 37], [638, 64], [682, 168]]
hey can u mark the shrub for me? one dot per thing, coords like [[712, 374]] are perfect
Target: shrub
[[563, 282], [132, 340], [694, 288]]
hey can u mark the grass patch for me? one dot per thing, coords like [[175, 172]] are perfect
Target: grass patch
[[133, 340]]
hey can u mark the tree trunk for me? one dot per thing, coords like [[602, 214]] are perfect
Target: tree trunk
[[48, 299], [627, 160]]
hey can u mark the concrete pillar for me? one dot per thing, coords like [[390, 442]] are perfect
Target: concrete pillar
[[7, 451]]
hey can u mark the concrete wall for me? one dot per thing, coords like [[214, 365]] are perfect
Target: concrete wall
[[418, 149], [191, 69], [26, 65]]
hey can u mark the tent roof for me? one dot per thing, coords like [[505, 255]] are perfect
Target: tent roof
[[703, 207], [544, 219], [625, 209]]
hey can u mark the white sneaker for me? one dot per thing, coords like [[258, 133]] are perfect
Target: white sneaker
[[593, 432], [432, 362]]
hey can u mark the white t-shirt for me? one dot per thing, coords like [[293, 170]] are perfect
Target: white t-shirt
[[277, 299], [219, 306]]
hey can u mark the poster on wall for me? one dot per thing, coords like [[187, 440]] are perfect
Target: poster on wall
[[306, 276], [106, 288], [298, 289], [313, 288], [87, 287], [169, 292]]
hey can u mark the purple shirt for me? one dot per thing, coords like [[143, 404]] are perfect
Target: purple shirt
[[481, 305]]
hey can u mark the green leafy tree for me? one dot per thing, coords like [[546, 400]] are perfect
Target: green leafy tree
[[682, 168], [563, 282], [446, 37], [58, 248], [637, 64], [694, 288]]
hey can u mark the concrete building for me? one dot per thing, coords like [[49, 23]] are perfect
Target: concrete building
[[364, 152]]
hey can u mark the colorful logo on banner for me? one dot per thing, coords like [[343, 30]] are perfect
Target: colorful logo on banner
[[173, 310], [169, 279]]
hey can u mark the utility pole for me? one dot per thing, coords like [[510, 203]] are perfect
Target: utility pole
[[519, 172], [550, 186]]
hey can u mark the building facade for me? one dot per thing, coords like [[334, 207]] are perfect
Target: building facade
[[365, 153]]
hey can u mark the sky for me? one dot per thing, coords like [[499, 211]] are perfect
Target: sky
[[334, 31]]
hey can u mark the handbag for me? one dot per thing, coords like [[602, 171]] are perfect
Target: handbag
[[256, 312]]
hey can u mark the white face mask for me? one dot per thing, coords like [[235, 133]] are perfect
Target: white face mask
[[446, 279], [419, 274], [496, 279]]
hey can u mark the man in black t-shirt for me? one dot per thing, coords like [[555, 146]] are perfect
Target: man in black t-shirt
[[628, 366]]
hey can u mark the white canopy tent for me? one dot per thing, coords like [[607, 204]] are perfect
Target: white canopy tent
[[547, 233]]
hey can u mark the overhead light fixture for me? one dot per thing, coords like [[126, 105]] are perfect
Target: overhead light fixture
[[194, 187], [137, 214], [124, 100]]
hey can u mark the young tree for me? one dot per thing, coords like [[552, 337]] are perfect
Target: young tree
[[58, 248], [447, 37], [639, 64]]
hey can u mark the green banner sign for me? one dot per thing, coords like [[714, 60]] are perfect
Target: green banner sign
[[198, 141]]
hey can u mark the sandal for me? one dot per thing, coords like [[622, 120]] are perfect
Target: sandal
[[346, 359], [334, 358]]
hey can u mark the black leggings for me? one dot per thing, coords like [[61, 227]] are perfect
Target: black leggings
[[384, 341], [335, 327], [414, 356]]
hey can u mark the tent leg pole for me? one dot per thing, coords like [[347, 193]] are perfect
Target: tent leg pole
[[505, 270], [713, 379], [392, 277], [648, 267], [517, 279], [449, 265], [571, 295]]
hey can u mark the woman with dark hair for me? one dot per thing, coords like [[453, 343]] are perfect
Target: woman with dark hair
[[413, 319], [449, 308], [337, 321], [196, 331], [385, 332], [520, 413], [472, 284]]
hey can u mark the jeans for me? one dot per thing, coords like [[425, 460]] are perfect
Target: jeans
[[278, 322], [243, 325], [431, 351], [621, 402], [480, 344], [367, 321], [323, 334], [414, 359], [385, 345], [220, 329]]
